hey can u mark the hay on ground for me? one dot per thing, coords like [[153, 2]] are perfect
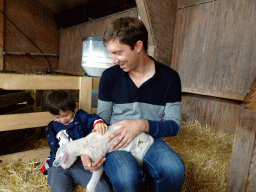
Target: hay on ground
[[206, 155]]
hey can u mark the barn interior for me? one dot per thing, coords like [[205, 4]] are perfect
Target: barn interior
[[209, 43]]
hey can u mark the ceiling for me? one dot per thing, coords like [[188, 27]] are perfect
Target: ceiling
[[57, 6], [72, 12]]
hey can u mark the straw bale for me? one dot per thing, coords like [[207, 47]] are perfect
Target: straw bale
[[206, 155]]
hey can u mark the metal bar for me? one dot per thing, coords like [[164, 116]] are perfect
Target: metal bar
[[30, 54], [195, 4]]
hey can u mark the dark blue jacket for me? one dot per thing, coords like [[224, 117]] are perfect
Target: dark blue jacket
[[80, 127]]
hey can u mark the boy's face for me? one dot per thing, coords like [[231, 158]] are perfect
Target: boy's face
[[65, 117]]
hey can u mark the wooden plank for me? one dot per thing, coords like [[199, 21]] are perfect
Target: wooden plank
[[14, 98], [69, 72], [143, 13], [38, 82], [85, 94], [1, 34], [242, 151], [216, 113], [36, 154], [231, 96], [24, 120], [95, 82], [27, 109], [183, 3]]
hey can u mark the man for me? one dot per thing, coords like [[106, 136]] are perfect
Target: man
[[140, 94]]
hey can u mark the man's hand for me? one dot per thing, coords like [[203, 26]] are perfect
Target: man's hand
[[92, 166], [128, 131]]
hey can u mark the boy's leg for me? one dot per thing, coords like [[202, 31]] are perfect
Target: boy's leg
[[82, 177], [124, 172], [59, 179], [165, 167]]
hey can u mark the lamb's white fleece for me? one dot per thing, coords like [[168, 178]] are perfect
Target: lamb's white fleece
[[95, 145]]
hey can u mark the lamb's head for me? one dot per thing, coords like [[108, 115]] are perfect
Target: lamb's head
[[63, 157]]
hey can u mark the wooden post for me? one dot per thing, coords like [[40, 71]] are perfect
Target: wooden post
[[1, 34], [85, 94], [242, 171], [242, 154]]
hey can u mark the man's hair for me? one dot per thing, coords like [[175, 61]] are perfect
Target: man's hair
[[128, 30], [59, 100]]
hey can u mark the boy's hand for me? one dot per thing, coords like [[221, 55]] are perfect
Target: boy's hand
[[100, 128]]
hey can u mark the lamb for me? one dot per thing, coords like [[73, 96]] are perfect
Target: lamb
[[95, 145]]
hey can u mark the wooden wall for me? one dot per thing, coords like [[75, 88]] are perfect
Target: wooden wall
[[35, 22], [1, 33], [71, 40], [214, 52], [159, 18]]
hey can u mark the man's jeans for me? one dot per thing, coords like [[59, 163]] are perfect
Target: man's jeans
[[160, 162]]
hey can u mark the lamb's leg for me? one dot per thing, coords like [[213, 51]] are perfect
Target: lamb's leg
[[96, 175]]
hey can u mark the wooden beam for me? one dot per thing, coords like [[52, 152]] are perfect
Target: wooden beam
[[14, 98], [69, 72], [24, 120], [230, 96], [27, 109], [38, 82], [1, 34], [36, 154], [143, 13]]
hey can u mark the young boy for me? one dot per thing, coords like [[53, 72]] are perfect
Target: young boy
[[69, 124]]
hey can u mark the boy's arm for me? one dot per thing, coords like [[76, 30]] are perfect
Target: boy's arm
[[52, 141], [53, 146]]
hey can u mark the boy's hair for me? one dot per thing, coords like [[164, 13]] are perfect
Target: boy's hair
[[60, 100], [127, 30]]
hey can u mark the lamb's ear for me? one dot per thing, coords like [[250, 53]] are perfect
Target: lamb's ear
[[63, 136]]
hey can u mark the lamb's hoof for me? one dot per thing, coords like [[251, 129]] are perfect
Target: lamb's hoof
[[88, 190]]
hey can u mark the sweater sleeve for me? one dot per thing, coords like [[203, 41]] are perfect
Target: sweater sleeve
[[170, 126], [171, 120], [105, 104]]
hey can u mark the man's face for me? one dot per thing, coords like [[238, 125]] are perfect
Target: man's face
[[123, 55], [65, 117]]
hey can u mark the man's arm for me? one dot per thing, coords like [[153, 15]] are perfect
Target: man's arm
[[105, 110], [170, 124]]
